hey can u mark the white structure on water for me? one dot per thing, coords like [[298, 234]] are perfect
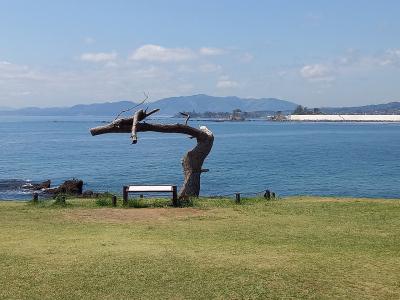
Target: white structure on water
[[345, 118]]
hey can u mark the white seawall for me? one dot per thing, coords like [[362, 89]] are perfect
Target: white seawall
[[345, 118]]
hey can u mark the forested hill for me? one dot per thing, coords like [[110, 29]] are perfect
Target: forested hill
[[375, 109], [168, 106]]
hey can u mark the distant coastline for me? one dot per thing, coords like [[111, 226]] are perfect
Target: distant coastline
[[344, 118], [208, 107]]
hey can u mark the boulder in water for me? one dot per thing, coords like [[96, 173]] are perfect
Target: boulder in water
[[38, 186], [70, 187], [73, 187]]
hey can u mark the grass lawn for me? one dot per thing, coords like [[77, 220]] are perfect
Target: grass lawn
[[300, 247]]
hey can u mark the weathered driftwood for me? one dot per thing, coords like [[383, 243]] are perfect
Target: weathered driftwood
[[193, 160], [140, 115]]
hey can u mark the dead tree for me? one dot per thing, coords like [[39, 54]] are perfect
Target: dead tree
[[192, 161]]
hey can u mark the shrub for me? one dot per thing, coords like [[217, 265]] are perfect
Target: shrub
[[137, 203], [104, 199]]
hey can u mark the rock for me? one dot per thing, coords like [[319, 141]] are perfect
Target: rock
[[88, 194], [51, 191], [69, 187], [44, 185], [38, 186]]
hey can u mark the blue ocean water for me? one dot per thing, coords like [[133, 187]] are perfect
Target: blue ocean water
[[328, 159]]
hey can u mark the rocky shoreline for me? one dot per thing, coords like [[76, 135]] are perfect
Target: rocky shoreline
[[72, 187]]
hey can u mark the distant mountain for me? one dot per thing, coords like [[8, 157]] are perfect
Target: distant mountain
[[374, 109], [168, 106], [97, 109], [202, 103]]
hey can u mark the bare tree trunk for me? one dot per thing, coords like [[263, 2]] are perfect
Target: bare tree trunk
[[193, 160], [192, 164]]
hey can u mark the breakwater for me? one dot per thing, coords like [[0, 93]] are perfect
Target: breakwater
[[345, 118]]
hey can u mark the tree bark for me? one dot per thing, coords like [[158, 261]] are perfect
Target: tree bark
[[192, 161]]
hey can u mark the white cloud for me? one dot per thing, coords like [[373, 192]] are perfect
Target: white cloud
[[317, 72], [99, 57], [10, 71], [225, 83], [209, 51], [246, 57], [210, 68], [352, 62], [390, 58], [151, 72], [158, 53]]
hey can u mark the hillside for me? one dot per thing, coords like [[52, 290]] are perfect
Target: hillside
[[374, 109], [202, 103], [168, 106]]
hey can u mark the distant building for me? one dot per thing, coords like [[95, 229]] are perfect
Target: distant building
[[237, 115]]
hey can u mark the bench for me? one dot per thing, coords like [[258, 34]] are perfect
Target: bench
[[150, 189]]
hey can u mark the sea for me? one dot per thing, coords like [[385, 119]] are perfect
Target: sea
[[326, 159]]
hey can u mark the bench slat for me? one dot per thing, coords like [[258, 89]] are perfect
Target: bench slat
[[150, 188]]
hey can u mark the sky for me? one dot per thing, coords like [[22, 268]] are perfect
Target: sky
[[315, 53]]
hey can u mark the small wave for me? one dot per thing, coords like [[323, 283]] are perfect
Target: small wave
[[10, 185], [17, 189]]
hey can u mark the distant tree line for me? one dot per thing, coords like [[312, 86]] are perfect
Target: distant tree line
[[237, 114], [300, 110], [207, 115]]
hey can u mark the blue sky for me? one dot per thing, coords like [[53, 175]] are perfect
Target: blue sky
[[317, 53]]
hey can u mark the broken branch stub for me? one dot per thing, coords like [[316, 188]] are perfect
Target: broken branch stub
[[140, 115]]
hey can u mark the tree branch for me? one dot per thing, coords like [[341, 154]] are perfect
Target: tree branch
[[129, 109], [125, 126], [140, 115], [187, 117]]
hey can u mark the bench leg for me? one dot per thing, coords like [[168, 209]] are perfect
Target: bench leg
[[174, 196], [125, 195]]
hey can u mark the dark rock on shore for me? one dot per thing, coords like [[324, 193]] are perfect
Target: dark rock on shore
[[88, 194], [44, 185], [38, 186], [73, 187], [69, 187]]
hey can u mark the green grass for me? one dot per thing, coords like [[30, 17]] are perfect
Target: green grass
[[300, 247]]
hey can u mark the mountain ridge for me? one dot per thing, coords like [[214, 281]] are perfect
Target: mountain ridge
[[384, 108], [168, 106], [200, 103]]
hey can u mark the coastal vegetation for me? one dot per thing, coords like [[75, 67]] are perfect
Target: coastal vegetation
[[298, 247], [300, 110]]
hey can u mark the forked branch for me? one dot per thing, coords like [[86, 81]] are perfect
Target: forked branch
[[137, 105]]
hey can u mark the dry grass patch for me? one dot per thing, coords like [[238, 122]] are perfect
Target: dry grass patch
[[121, 215]]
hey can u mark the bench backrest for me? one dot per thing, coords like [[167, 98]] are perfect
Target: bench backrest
[[150, 188]]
